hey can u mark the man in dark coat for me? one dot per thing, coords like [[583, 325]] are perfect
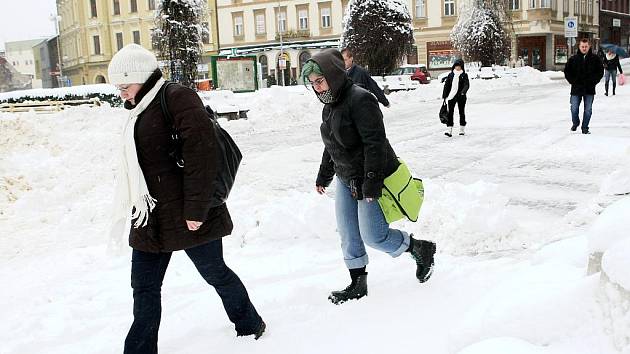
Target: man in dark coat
[[362, 78], [583, 71], [171, 206]]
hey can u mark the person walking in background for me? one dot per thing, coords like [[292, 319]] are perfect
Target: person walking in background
[[172, 207], [362, 78], [357, 151], [583, 71], [611, 64], [455, 88]]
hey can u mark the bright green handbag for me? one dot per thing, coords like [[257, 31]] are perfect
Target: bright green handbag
[[402, 195]]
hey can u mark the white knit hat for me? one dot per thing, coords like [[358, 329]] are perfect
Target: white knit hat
[[131, 65]]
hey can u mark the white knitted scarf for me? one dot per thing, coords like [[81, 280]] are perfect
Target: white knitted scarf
[[131, 189]]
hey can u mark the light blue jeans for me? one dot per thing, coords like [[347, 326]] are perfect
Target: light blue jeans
[[360, 223]]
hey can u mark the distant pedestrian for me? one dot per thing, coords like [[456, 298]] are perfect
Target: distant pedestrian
[[583, 71], [455, 88], [611, 64], [362, 78]]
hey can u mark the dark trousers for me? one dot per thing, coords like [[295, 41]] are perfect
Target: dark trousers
[[461, 105], [147, 274]]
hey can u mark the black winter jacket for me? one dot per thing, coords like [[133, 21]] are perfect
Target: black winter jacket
[[583, 72], [353, 132], [362, 78], [464, 83], [181, 193], [613, 64]]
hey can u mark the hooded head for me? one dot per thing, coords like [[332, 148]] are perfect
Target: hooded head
[[330, 64], [460, 63]]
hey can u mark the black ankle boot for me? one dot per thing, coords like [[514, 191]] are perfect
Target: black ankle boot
[[356, 290], [422, 252]]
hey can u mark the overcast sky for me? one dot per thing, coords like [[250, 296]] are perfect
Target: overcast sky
[[25, 19]]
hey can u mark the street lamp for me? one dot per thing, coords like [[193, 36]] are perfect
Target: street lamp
[[56, 19], [282, 60]]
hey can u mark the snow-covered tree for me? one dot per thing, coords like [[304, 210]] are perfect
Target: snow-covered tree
[[480, 34], [178, 37], [378, 32]]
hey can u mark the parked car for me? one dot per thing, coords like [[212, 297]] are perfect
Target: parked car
[[406, 77]]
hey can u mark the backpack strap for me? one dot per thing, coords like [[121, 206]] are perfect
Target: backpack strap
[[170, 122]]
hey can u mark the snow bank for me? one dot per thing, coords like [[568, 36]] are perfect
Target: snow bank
[[468, 219], [610, 227], [616, 261], [82, 90], [618, 182], [503, 345]]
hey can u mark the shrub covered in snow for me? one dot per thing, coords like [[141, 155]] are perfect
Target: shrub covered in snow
[[178, 35], [479, 33], [378, 32], [104, 92]]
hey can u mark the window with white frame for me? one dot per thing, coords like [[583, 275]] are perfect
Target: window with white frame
[[576, 7], [449, 7], [260, 23], [238, 25], [590, 7], [421, 9], [545, 3], [151, 4], [97, 44], [565, 6], [532, 4], [282, 21], [303, 19], [514, 4], [136, 37], [326, 17]]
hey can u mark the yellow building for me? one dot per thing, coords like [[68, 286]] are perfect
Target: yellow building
[[282, 34], [538, 36], [92, 31]]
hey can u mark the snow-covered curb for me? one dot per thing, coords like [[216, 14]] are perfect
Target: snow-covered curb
[[609, 247]]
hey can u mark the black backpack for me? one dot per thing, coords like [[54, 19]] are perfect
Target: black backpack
[[229, 157]]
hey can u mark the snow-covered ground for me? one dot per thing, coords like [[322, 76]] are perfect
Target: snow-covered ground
[[510, 205]]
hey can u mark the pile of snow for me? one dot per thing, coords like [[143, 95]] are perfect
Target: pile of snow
[[610, 227], [61, 92], [503, 345], [618, 182], [616, 261]]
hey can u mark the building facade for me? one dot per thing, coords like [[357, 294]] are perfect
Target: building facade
[[21, 56], [614, 22], [46, 63], [537, 26], [282, 34], [92, 31]]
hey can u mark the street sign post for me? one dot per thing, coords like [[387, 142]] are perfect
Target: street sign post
[[571, 32], [571, 27]]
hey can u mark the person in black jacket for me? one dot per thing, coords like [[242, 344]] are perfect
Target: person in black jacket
[[583, 71], [611, 64], [170, 207], [357, 151], [455, 88], [362, 78]]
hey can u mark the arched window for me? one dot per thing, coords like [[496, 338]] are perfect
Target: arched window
[[264, 66], [100, 79], [304, 56]]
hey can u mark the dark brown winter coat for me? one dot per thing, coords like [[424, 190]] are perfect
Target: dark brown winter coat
[[181, 194]]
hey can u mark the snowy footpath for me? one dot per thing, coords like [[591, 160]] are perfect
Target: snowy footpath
[[514, 207]]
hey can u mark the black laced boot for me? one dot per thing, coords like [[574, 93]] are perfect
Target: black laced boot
[[356, 290], [422, 252]]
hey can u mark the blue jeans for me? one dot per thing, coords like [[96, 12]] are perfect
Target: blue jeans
[[360, 223], [575, 110], [147, 273], [611, 74]]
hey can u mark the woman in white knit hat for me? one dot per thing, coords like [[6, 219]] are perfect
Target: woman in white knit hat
[[172, 208]]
